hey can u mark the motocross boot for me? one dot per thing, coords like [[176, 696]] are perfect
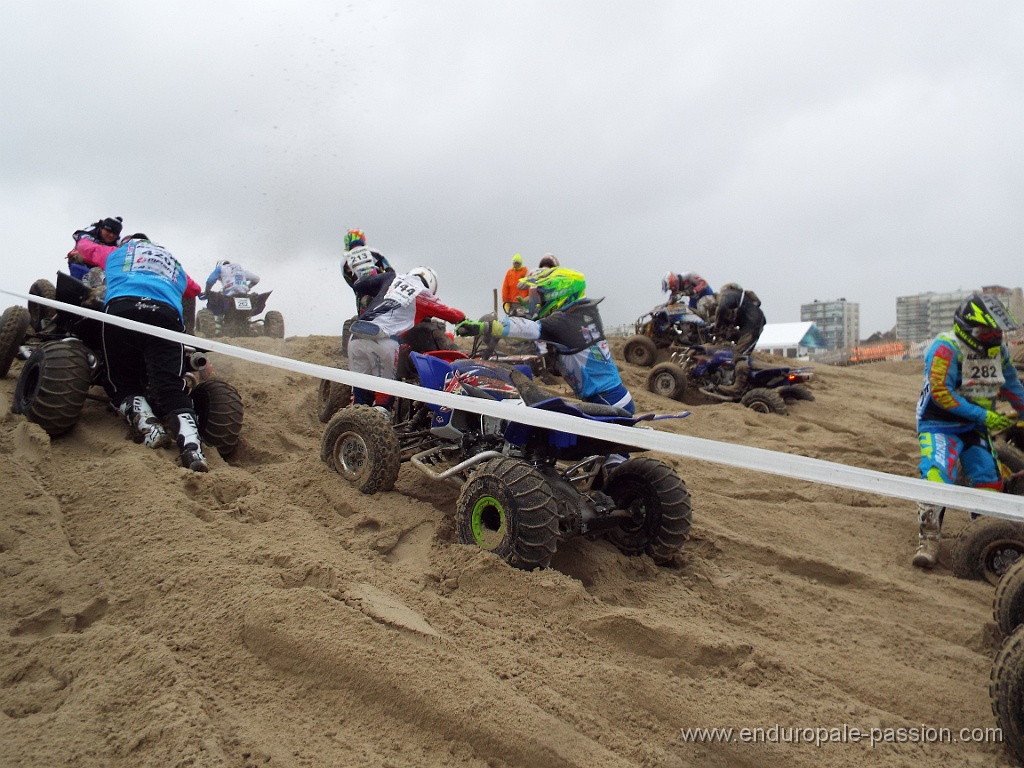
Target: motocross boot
[[188, 441], [144, 426], [739, 382], [929, 535]]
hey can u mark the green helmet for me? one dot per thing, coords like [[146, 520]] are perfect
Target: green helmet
[[980, 321], [553, 289]]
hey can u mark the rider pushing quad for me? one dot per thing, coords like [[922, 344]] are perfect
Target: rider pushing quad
[[739, 319], [571, 325], [361, 261], [964, 372]]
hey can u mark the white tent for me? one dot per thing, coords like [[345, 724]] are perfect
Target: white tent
[[790, 339]]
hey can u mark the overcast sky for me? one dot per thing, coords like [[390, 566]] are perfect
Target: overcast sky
[[807, 150]]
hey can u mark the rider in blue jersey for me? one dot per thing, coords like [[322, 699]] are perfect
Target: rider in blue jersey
[[571, 326], [964, 373]]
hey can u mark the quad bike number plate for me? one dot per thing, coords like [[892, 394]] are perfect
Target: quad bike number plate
[[242, 302]]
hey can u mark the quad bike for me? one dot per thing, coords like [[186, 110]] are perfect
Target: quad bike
[[987, 547], [523, 488], [667, 326], [65, 362], [696, 374], [238, 316]]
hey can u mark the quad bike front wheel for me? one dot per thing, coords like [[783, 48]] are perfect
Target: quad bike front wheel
[[986, 548], [37, 312], [54, 384], [273, 325], [764, 400], [659, 505], [508, 508], [640, 350], [219, 410], [1008, 602], [14, 324], [667, 380], [331, 397], [1006, 691], [360, 445]]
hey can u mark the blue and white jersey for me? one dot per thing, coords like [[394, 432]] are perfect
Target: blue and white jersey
[[145, 270]]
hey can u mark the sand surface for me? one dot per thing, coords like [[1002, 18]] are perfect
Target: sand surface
[[267, 614]]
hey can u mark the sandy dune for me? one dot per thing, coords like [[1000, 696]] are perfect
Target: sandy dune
[[266, 614]]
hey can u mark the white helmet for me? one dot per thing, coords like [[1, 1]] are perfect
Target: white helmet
[[428, 276]]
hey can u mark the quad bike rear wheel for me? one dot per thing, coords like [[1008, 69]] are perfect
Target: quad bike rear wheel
[[220, 411], [640, 350], [508, 508], [660, 506], [14, 324], [273, 325], [986, 548], [346, 328], [331, 397], [1006, 691], [667, 380], [764, 400], [795, 392], [360, 445], [1008, 602], [37, 312], [53, 385]]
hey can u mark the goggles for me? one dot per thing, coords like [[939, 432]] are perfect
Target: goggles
[[986, 335]]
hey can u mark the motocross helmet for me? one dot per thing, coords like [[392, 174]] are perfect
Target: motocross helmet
[[223, 262], [670, 282], [427, 276], [353, 238], [980, 321], [547, 261], [553, 289]]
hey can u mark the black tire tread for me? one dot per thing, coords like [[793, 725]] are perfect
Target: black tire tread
[[331, 397], [535, 525], [220, 411], [1006, 691], [664, 537], [14, 325], [1008, 601], [640, 351], [37, 312], [974, 538], [383, 451], [678, 391], [52, 388], [770, 397]]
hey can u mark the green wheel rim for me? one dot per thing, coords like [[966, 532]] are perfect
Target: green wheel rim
[[488, 522]]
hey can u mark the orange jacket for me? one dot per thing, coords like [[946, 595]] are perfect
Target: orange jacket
[[510, 290]]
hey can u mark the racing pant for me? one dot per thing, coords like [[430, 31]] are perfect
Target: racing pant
[[139, 364], [943, 456], [377, 357], [618, 397]]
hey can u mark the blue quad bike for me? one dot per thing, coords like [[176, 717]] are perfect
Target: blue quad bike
[[695, 375], [523, 488]]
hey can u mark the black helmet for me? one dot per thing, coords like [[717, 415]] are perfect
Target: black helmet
[[113, 224], [980, 321]]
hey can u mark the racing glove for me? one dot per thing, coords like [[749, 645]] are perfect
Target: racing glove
[[479, 328], [997, 422]]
